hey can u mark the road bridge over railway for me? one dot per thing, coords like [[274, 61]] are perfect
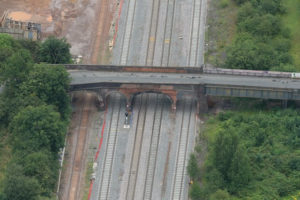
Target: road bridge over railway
[[178, 81]]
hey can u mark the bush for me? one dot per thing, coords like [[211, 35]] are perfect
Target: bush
[[224, 3], [220, 195], [193, 168], [195, 191]]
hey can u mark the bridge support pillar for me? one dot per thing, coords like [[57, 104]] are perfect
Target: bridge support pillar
[[202, 105]]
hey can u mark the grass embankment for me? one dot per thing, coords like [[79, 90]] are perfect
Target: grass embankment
[[221, 22], [292, 20]]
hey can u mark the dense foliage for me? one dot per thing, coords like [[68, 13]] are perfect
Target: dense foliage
[[251, 155], [55, 51], [34, 109], [262, 42]]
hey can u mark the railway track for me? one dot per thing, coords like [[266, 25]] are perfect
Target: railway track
[[75, 118], [112, 134], [80, 140], [153, 32], [180, 165], [153, 148], [138, 182], [195, 32], [137, 147], [168, 33], [128, 31]]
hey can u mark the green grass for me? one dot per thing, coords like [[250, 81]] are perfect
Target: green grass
[[292, 20], [88, 174]]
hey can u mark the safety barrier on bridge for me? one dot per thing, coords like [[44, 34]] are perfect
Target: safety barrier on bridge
[[142, 69], [183, 70], [240, 72]]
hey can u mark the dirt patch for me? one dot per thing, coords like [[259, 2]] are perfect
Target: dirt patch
[[100, 52], [79, 21], [20, 16]]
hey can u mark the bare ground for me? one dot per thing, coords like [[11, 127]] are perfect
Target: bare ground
[[85, 23]]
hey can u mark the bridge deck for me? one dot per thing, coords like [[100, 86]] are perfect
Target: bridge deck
[[95, 77]]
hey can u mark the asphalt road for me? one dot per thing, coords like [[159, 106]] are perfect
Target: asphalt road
[[85, 77]]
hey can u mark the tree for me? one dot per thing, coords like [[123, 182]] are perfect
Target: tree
[[20, 187], [43, 167], [247, 53], [240, 1], [55, 51], [37, 128], [193, 168], [239, 173], [33, 47], [7, 46], [224, 149], [272, 6], [50, 84], [16, 69], [265, 25]]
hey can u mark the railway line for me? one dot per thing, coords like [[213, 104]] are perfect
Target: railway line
[[128, 31], [169, 33], [76, 118], [195, 30], [152, 155], [156, 150], [104, 190], [75, 177], [181, 155], [139, 132], [152, 32]]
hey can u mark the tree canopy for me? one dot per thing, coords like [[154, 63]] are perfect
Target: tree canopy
[[262, 41], [55, 51], [38, 128], [251, 156], [35, 111]]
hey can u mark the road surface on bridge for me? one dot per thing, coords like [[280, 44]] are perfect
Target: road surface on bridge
[[88, 77]]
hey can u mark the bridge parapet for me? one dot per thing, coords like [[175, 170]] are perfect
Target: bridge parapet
[[183, 70], [142, 69]]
